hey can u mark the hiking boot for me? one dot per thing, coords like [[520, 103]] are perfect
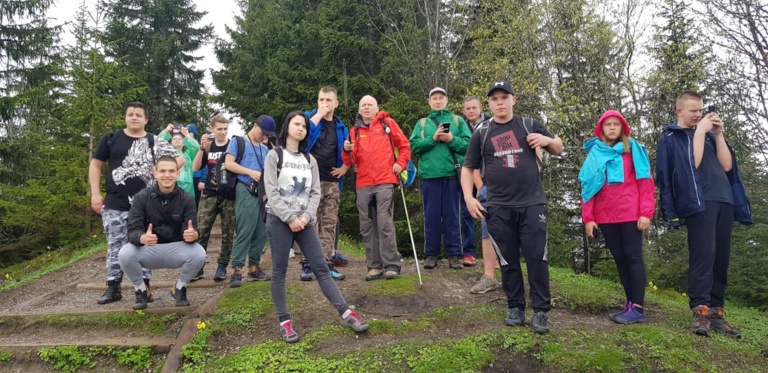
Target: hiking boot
[[392, 273], [286, 331], [539, 323], [221, 273], [180, 295], [256, 274], [718, 324], [200, 274], [516, 317], [469, 260], [485, 285], [374, 273], [430, 262], [150, 298], [354, 322], [635, 314], [627, 306], [455, 262], [113, 293], [141, 300], [339, 260], [306, 272], [236, 280], [336, 275], [700, 323]]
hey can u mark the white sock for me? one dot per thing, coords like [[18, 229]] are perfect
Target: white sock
[[285, 322], [142, 287], [180, 284], [346, 314]]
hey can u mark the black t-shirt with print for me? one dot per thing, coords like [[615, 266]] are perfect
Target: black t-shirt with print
[[326, 150], [511, 172], [214, 158], [130, 166]]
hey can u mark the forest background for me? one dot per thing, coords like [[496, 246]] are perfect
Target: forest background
[[568, 60]]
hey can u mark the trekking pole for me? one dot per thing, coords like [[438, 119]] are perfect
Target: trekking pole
[[408, 220]]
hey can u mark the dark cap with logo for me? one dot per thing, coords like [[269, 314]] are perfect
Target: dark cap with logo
[[502, 85], [267, 125]]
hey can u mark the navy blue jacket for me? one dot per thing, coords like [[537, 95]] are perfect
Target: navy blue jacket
[[678, 180]]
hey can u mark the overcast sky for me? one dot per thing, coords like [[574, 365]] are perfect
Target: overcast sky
[[220, 13]]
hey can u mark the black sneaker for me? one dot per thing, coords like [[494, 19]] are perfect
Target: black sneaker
[[339, 260], [430, 262], [306, 272], [236, 280], [539, 322], [718, 324], [221, 273], [141, 300], [200, 274], [113, 293], [256, 274], [180, 295], [700, 322], [516, 317]]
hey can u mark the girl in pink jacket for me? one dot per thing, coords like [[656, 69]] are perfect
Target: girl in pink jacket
[[618, 196]]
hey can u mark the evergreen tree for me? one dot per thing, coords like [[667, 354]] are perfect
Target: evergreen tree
[[156, 40]]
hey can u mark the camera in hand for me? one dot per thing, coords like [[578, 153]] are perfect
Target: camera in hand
[[446, 126], [177, 126], [710, 109]]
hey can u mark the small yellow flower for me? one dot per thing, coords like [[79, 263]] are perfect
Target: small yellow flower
[[201, 325], [94, 236], [684, 294], [7, 276], [655, 288], [650, 283]]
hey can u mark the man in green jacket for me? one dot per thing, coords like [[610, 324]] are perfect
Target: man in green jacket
[[440, 141]]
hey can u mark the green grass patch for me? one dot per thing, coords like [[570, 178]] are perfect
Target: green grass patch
[[582, 292], [350, 247], [72, 359], [22, 273], [240, 306], [403, 285], [137, 322], [5, 356]]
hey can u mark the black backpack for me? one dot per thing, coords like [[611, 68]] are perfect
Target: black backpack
[[228, 189]]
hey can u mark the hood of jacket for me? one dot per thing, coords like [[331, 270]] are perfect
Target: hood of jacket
[[605, 116]]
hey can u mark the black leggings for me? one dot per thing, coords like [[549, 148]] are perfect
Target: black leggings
[[626, 244]]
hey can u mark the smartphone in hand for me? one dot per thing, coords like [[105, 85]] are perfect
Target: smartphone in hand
[[446, 126]]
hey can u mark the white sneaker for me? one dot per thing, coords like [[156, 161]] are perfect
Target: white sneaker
[[291, 254]]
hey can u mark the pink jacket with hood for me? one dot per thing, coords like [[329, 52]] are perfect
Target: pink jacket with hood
[[624, 202]]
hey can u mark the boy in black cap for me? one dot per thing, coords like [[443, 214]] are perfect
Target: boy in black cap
[[251, 231], [506, 153]]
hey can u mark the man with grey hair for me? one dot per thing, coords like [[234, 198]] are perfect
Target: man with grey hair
[[371, 147]]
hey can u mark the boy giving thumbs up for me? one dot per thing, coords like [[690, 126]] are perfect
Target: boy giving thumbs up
[[162, 230]]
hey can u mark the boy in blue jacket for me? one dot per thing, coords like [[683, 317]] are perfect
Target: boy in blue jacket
[[701, 187]]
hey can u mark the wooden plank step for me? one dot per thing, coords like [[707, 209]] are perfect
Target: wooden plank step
[[155, 285], [148, 310]]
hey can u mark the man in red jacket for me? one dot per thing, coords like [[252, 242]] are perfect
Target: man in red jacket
[[380, 150]]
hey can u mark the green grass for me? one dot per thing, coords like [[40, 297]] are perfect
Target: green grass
[[22, 273], [404, 285], [240, 306], [350, 247]]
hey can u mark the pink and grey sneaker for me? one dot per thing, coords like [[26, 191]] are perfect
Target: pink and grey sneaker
[[350, 319], [286, 331], [627, 306]]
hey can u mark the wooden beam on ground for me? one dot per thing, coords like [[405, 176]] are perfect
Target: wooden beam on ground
[[148, 310], [158, 345], [188, 332], [155, 285]]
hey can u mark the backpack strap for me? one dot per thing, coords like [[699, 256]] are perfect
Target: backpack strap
[[279, 152], [240, 149], [151, 142], [487, 128]]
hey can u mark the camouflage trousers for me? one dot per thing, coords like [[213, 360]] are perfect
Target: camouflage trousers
[[327, 218], [116, 229], [210, 207]]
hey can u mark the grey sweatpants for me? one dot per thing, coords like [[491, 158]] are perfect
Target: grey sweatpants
[[190, 257], [280, 240]]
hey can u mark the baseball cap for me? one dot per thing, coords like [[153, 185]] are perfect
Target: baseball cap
[[436, 90], [502, 85], [267, 125]]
